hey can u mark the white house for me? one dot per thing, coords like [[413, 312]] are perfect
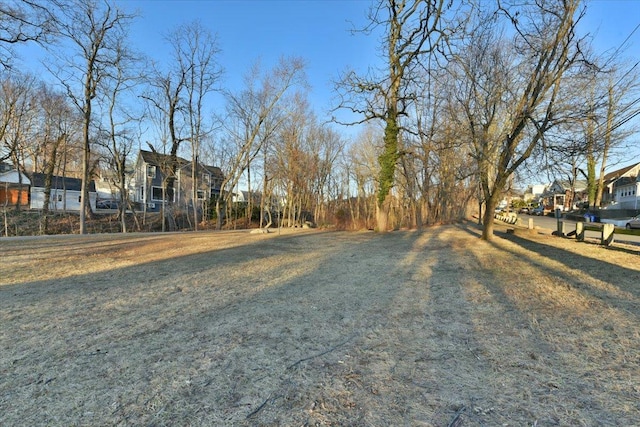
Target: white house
[[534, 192], [626, 192], [65, 193], [622, 188]]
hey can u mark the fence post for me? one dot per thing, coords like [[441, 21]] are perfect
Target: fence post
[[530, 224], [607, 234], [580, 231], [561, 228]]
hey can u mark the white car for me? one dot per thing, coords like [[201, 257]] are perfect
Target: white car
[[633, 223]]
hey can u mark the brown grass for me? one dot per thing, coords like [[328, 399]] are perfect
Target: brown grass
[[428, 328]]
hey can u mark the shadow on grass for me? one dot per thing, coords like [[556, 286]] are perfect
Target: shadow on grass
[[211, 337], [617, 276]]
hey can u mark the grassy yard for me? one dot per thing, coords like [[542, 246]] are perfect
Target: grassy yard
[[303, 327]]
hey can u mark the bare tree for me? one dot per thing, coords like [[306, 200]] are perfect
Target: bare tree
[[121, 123], [58, 125], [94, 29], [414, 30], [253, 116], [178, 95], [195, 51], [23, 21], [621, 105], [293, 160], [510, 92], [364, 168], [326, 146]]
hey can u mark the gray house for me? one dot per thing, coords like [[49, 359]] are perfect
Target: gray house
[[152, 171]]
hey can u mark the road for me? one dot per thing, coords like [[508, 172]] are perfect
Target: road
[[551, 223]]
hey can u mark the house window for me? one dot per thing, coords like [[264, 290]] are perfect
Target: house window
[[151, 171], [206, 178], [141, 192], [200, 195], [156, 194], [59, 197]]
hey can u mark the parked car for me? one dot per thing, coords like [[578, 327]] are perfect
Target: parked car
[[107, 204], [633, 223], [538, 211]]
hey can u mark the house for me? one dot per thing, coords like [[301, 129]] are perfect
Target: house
[[534, 192], [65, 193], [107, 185], [622, 188], [14, 188], [243, 196], [561, 194], [150, 175]]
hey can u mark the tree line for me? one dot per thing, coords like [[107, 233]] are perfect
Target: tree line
[[470, 97]]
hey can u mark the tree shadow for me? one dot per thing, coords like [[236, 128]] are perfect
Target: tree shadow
[[231, 330]]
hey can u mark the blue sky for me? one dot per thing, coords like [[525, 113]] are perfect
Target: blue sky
[[611, 22], [316, 30], [319, 32], [265, 30]]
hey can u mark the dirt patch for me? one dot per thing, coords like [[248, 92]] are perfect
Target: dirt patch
[[304, 327]]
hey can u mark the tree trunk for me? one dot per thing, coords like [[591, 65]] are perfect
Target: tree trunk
[[487, 229], [387, 161], [382, 215]]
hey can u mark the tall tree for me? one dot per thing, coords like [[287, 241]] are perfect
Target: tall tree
[[512, 86], [119, 129], [364, 169], [253, 115], [620, 107], [197, 50], [58, 125], [178, 94], [413, 30], [93, 30]]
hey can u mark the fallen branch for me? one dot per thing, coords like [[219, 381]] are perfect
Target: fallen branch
[[320, 354], [259, 408], [457, 421]]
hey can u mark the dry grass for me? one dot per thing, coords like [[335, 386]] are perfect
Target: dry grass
[[319, 328]]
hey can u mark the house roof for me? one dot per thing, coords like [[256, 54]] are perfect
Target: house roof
[[564, 184], [214, 170], [611, 176], [60, 182], [14, 177], [158, 159], [625, 180]]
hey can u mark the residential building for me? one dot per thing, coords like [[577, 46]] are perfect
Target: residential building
[[534, 192], [65, 193], [622, 188], [562, 194], [150, 182], [14, 188]]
